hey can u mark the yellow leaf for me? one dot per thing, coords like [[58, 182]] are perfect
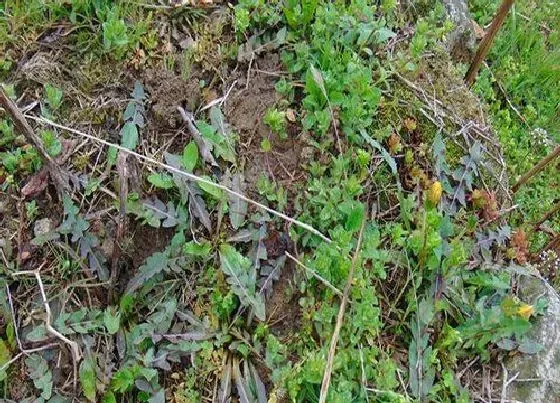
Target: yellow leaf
[[434, 193], [525, 310]]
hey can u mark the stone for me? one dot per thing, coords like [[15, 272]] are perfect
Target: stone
[[460, 42], [42, 226], [542, 368]]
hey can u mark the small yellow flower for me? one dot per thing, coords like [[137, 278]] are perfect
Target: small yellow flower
[[525, 310], [434, 193]]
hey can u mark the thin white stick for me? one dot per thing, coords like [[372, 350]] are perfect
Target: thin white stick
[[190, 176]]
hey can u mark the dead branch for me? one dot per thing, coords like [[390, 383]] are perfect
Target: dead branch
[[486, 43], [74, 347], [548, 215], [336, 333], [536, 169], [58, 176]]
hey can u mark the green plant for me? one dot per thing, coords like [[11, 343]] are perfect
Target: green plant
[[276, 120], [115, 33]]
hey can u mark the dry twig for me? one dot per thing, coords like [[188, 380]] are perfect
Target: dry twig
[[486, 43], [536, 169]]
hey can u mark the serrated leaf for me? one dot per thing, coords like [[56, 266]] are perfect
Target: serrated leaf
[[354, 216], [164, 215], [88, 378], [190, 156], [40, 373], [202, 248], [111, 320], [238, 268], [237, 206], [162, 181], [154, 265], [129, 136]]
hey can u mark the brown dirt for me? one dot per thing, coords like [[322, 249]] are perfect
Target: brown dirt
[[167, 91], [245, 109], [283, 305]]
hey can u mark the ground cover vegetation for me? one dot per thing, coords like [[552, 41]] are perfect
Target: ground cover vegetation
[[265, 164]]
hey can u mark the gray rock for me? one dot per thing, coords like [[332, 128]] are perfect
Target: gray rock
[[460, 42], [542, 368], [42, 226]]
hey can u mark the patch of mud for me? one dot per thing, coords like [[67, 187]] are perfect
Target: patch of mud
[[285, 312], [245, 110], [168, 91], [147, 241]]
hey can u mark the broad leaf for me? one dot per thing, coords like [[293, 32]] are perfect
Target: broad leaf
[[111, 320], [242, 278], [190, 156], [162, 181], [88, 378], [129, 136], [39, 372]]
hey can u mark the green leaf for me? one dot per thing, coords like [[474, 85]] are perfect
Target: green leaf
[[354, 216], [54, 96], [530, 347], [190, 156], [384, 34], [112, 156], [129, 136], [40, 373], [88, 378], [241, 275], [202, 248], [123, 380], [111, 321], [386, 156], [162, 181], [51, 142], [109, 398], [5, 356], [213, 191], [237, 206]]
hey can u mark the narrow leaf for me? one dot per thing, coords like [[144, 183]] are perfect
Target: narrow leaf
[[237, 206]]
